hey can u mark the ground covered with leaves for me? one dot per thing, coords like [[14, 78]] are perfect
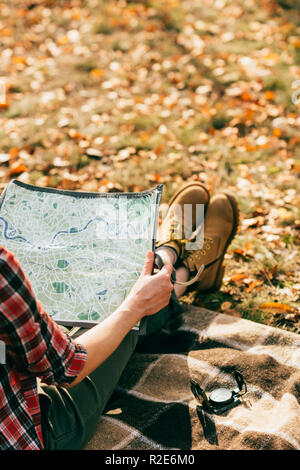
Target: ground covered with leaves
[[122, 95]]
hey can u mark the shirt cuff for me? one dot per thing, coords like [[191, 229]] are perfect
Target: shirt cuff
[[76, 364]]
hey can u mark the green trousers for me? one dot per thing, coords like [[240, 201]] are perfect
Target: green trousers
[[69, 417]]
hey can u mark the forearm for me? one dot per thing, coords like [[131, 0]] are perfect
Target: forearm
[[102, 340], [149, 295]]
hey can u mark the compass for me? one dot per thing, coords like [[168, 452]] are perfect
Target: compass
[[220, 399]]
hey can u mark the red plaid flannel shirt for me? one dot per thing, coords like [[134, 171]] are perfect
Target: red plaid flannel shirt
[[35, 347]]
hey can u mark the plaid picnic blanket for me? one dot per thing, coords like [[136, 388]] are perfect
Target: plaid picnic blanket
[[153, 407]]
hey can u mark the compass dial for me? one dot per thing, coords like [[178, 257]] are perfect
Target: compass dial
[[220, 396]]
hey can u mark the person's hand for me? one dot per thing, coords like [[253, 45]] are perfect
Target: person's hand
[[151, 292]]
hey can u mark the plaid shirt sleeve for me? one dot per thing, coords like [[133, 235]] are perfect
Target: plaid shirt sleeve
[[34, 342]]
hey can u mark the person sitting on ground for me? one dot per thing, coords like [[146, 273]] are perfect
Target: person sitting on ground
[[53, 388]]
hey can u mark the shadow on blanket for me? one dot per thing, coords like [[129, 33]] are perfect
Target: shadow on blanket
[[153, 407]]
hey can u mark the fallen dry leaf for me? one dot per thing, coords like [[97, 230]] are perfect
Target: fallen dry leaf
[[17, 169], [238, 277], [239, 253], [253, 285], [116, 411], [4, 157], [225, 306], [253, 222], [269, 95], [14, 153], [277, 132], [276, 307], [291, 317]]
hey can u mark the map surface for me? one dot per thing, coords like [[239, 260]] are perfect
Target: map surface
[[82, 252]]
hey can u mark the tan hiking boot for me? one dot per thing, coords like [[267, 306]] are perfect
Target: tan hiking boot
[[186, 212], [220, 227]]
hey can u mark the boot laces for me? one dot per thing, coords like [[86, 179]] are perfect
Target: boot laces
[[195, 257]]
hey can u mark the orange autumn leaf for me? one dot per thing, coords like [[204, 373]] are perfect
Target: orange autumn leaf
[[76, 15], [277, 132], [97, 73], [138, 99], [269, 95], [22, 12], [248, 114], [114, 21], [250, 148], [104, 182], [17, 169], [246, 96], [159, 149], [238, 277], [144, 136], [295, 41], [272, 57], [253, 285], [238, 251], [13, 153], [4, 104], [286, 27], [274, 269], [295, 168], [264, 146], [63, 40], [294, 141], [6, 32], [276, 307], [67, 183], [156, 178], [74, 134], [248, 246], [150, 28], [19, 60]]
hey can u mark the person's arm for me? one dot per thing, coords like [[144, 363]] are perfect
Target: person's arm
[[149, 294], [38, 347], [35, 344]]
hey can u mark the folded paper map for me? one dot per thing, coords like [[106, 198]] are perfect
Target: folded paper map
[[81, 251]]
